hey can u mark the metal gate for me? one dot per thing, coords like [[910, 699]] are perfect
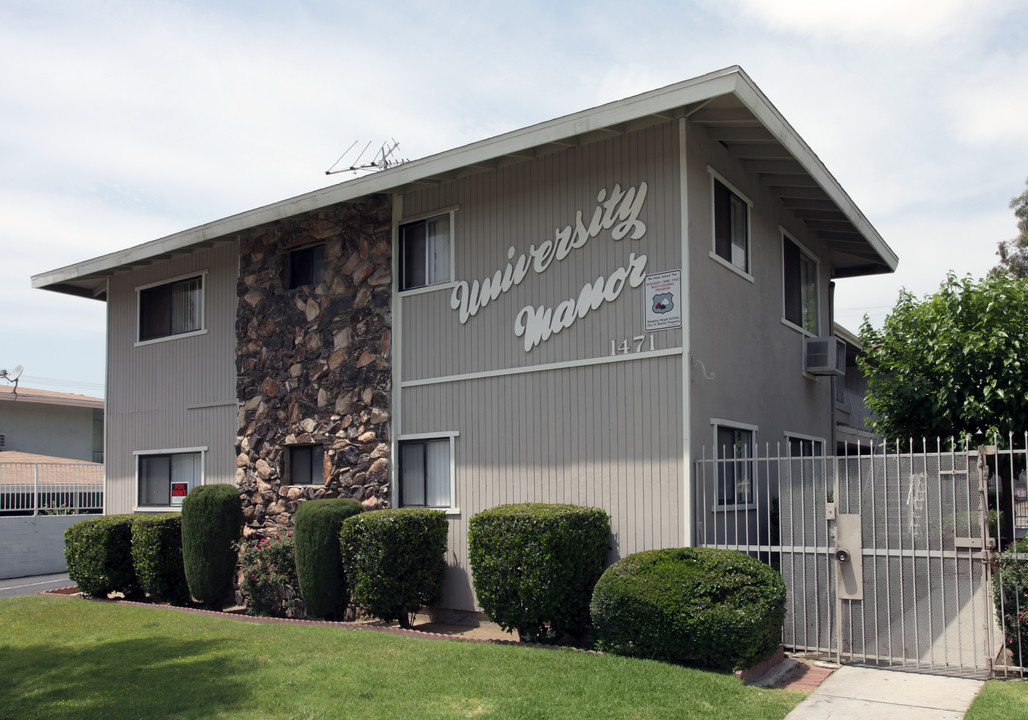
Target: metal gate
[[886, 555]]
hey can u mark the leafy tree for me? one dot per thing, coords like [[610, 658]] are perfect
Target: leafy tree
[[1013, 254], [952, 364]]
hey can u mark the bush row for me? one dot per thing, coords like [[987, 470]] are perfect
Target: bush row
[[536, 568]]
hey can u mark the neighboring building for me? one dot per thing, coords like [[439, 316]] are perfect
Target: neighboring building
[[43, 422], [853, 432], [569, 313]]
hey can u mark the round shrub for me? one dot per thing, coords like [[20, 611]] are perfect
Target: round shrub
[[98, 553], [395, 560], [1010, 593], [698, 606], [212, 522], [534, 566], [157, 557], [319, 566]]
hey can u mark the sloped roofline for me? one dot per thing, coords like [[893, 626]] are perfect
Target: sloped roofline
[[670, 101]]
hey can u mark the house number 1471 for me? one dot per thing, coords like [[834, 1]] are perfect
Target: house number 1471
[[625, 347]]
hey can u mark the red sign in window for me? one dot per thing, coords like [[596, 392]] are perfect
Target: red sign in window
[[179, 489]]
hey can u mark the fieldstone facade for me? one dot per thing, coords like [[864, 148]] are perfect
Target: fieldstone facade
[[313, 363]]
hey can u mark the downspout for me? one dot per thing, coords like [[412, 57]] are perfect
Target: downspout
[[688, 518], [395, 354]]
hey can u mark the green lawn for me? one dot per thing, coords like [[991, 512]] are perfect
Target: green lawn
[[71, 658], [1000, 700]]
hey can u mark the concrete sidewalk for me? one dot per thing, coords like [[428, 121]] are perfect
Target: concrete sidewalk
[[860, 693]]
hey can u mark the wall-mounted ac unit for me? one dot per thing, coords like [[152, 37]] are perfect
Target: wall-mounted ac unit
[[824, 356]]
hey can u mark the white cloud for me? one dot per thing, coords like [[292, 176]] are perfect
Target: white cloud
[[866, 20]]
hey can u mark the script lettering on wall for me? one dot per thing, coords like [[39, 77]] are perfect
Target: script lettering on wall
[[616, 213]]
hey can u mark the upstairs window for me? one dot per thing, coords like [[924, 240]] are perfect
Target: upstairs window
[[307, 465], [425, 252], [731, 227], [170, 309], [306, 266], [799, 277]]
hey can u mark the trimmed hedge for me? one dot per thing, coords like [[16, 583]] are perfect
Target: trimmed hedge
[[534, 566], [698, 606], [157, 557], [1010, 594], [98, 553], [212, 522], [319, 565], [395, 560]]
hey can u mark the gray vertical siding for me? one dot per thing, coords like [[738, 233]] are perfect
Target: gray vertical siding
[[177, 393], [608, 434], [605, 436], [753, 362]]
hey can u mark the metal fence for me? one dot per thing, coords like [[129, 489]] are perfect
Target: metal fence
[[51, 488], [890, 555]]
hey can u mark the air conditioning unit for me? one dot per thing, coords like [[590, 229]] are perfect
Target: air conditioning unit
[[824, 356]]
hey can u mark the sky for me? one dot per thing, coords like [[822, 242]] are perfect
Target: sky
[[125, 121]]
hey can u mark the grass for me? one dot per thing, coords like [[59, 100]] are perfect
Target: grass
[[63, 658], [1000, 700]]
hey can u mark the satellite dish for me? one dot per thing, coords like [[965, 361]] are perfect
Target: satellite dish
[[16, 373]]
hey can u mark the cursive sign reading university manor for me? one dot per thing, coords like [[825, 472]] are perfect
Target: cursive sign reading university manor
[[618, 213]]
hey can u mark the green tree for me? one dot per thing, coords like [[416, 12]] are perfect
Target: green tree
[[1013, 254], [952, 364]]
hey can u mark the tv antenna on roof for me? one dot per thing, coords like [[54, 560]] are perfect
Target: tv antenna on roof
[[12, 377], [382, 160]]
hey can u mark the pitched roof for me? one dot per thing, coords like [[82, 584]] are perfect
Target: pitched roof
[[727, 102], [48, 397]]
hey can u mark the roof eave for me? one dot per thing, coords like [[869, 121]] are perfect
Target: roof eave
[[732, 80]]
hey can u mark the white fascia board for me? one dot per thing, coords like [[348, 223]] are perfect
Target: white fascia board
[[751, 96]]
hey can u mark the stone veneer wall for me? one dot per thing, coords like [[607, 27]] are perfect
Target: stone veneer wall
[[313, 363]]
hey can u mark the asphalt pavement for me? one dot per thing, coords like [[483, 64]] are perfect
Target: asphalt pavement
[[13, 587]]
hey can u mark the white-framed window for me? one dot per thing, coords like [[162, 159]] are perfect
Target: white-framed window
[[799, 283], [165, 477], [171, 308], [306, 266], [731, 224], [425, 475], [804, 446], [735, 445], [426, 251], [306, 465]]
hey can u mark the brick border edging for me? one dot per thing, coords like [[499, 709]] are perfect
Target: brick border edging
[[404, 632], [750, 674]]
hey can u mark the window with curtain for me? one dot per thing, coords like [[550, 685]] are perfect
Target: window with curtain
[[165, 479], [731, 227], [425, 473], [799, 277], [425, 248], [171, 309], [735, 465]]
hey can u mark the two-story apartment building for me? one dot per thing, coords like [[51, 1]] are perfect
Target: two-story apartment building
[[565, 313]]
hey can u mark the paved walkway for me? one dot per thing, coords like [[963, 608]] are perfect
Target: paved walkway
[[859, 693]]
